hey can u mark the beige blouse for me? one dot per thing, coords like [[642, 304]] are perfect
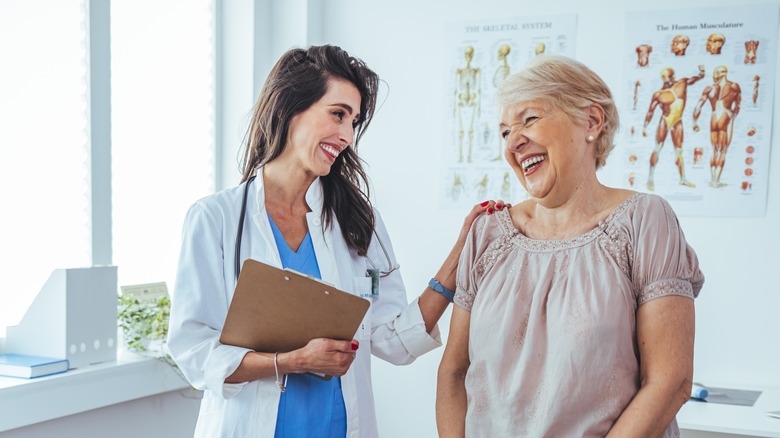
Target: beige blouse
[[552, 342]]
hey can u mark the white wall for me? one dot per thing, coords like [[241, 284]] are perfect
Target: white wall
[[737, 331], [402, 40]]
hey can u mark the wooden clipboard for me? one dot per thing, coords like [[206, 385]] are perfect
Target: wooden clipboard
[[279, 310]]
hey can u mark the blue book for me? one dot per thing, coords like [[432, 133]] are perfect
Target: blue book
[[28, 367]]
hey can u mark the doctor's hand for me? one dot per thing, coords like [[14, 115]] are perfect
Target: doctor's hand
[[488, 207], [446, 273], [324, 356], [433, 302]]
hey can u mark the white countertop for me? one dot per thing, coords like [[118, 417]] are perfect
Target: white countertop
[[28, 401], [737, 420]]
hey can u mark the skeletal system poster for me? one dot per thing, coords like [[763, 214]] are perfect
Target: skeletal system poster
[[696, 112], [479, 55]]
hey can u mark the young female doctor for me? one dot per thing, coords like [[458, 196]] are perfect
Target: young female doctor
[[302, 204]]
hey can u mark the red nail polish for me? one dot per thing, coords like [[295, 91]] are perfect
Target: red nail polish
[[499, 206], [484, 203], [354, 345], [490, 210]]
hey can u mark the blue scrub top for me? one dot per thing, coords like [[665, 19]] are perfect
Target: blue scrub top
[[310, 407]]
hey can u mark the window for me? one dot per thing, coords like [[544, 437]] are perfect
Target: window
[[162, 77], [44, 157]]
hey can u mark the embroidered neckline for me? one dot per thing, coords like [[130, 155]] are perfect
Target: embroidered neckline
[[528, 243]]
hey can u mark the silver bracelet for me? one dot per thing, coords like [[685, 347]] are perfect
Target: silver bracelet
[[276, 369]]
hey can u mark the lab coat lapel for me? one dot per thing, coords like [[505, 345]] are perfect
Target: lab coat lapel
[[265, 247], [323, 241]]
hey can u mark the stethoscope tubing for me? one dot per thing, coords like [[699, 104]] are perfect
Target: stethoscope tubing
[[240, 232]]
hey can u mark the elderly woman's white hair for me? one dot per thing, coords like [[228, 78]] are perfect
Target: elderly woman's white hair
[[568, 85]]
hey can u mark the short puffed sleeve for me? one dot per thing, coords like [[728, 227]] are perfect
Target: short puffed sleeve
[[472, 264], [663, 262]]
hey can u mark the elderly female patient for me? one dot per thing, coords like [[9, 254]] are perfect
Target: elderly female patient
[[575, 312]]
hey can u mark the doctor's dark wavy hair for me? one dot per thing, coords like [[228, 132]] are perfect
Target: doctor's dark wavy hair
[[298, 80]]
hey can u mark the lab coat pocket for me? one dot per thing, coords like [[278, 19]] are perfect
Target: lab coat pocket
[[362, 288]]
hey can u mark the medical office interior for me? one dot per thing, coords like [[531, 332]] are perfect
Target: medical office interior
[[118, 114]]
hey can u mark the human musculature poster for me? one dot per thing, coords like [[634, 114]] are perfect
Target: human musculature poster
[[696, 107], [478, 56]]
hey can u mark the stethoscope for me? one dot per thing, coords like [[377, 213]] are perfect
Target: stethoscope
[[375, 272]]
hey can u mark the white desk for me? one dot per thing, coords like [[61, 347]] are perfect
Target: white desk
[[736, 420]]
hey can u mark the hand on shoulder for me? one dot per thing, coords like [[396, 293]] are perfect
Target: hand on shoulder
[[487, 207]]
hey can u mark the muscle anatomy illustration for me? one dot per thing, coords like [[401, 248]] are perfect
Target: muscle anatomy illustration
[[715, 43], [724, 97], [671, 100], [751, 47], [756, 78], [679, 44], [643, 52]]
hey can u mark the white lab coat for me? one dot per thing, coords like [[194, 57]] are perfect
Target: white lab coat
[[392, 330]]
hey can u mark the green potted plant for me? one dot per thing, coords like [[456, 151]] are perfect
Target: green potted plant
[[143, 318], [144, 323]]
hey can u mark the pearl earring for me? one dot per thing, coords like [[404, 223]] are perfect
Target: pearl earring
[[590, 139]]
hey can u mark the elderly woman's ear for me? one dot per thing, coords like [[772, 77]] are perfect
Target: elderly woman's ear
[[595, 119]]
